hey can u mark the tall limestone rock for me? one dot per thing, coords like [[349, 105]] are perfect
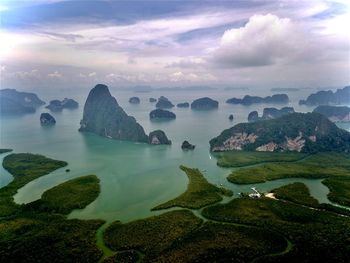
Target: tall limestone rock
[[104, 116]]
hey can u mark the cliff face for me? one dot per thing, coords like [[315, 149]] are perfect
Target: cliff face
[[340, 96], [310, 132], [104, 116], [334, 113]]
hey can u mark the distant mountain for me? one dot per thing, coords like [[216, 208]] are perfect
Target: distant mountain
[[340, 96], [334, 113], [16, 102], [302, 132], [249, 100], [104, 116]]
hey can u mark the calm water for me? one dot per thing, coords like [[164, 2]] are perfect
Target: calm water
[[134, 177]]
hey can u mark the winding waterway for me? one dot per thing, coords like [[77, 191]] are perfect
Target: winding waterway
[[134, 177]]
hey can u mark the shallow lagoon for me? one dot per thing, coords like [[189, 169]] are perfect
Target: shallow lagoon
[[134, 177]]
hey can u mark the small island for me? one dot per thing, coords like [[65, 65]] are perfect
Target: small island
[[158, 137], [183, 105], [57, 105], [270, 113], [159, 114], [164, 103], [249, 100], [187, 146], [338, 97], [152, 100], [46, 119], [134, 100], [16, 102], [204, 104]]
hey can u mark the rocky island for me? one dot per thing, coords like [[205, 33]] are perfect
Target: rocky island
[[152, 100], [334, 113], [158, 137], [338, 97], [183, 105], [270, 113], [249, 100], [164, 103], [204, 104], [103, 116], [159, 114], [57, 105], [187, 146], [301, 132], [46, 119], [134, 100], [16, 102]]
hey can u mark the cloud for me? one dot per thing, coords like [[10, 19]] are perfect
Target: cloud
[[55, 74], [264, 40], [187, 63]]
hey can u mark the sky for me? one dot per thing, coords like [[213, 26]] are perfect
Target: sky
[[260, 44]]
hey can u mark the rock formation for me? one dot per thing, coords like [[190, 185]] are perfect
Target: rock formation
[[340, 96], [134, 100], [103, 116], [164, 103], [204, 104], [187, 146], [57, 105], [16, 102], [158, 137], [302, 132], [152, 100], [183, 105], [230, 117], [47, 119], [249, 100], [334, 113], [159, 114], [253, 116]]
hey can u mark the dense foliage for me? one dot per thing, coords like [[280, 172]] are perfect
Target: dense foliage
[[199, 192]]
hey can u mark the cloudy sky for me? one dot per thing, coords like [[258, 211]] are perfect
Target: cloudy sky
[[53, 43]]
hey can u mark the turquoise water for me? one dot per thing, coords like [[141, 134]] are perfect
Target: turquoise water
[[134, 177]]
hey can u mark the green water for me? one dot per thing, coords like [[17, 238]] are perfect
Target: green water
[[134, 177]]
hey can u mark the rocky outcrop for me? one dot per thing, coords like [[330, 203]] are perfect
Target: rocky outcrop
[[158, 137], [152, 100], [230, 117], [164, 103], [302, 132], [183, 105], [273, 113], [46, 119], [134, 100], [334, 113], [253, 116], [57, 105], [159, 114], [249, 100], [187, 146], [204, 104], [16, 102], [103, 116], [340, 96]]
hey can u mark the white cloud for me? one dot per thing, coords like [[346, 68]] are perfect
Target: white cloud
[[55, 74], [264, 40]]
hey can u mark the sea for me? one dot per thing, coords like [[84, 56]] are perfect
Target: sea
[[135, 177]]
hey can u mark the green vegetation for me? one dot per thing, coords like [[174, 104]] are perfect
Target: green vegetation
[[151, 235], [333, 166], [245, 158], [307, 125], [296, 193], [320, 165], [25, 167], [317, 236], [5, 150], [215, 242], [73, 194], [199, 192], [339, 188], [127, 256], [29, 233]]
